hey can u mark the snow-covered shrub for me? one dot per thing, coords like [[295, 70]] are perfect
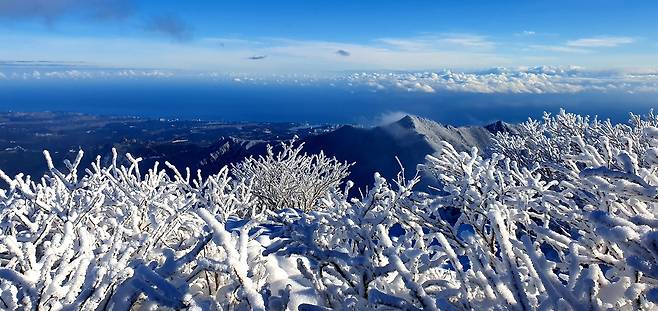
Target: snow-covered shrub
[[290, 179], [565, 229], [349, 257], [521, 239], [116, 238], [534, 243], [591, 211], [556, 138]]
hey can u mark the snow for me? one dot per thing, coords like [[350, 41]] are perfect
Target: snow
[[282, 272], [562, 216]]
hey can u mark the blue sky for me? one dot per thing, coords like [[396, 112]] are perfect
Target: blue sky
[[321, 36]]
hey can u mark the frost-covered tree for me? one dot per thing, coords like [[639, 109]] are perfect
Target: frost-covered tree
[[534, 243], [349, 257], [498, 235], [118, 239], [290, 178], [582, 221], [551, 140], [561, 229]]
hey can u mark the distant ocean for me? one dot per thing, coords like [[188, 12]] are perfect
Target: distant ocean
[[228, 101]]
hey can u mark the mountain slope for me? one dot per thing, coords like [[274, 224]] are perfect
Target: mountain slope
[[410, 139], [372, 150], [232, 150]]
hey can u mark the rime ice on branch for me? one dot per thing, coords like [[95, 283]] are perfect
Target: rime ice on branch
[[563, 216]]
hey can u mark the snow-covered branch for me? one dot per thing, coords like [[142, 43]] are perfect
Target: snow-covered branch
[[563, 216]]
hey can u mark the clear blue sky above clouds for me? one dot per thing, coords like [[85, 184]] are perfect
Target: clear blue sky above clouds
[[318, 36]]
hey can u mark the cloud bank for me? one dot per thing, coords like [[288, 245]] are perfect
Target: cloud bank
[[525, 80], [534, 80], [82, 74]]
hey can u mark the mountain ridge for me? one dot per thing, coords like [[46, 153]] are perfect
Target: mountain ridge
[[375, 149], [408, 140], [208, 146]]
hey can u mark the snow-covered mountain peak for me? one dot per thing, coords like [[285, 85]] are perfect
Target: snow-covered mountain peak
[[415, 122]]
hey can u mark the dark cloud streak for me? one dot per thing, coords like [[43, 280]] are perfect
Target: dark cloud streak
[[343, 53], [50, 10], [171, 26]]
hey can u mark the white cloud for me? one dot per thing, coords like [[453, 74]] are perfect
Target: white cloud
[[405, 44], [68, 74], [76, 74], [471, 41], [558, 48], [230, 42], [463, 51], [390, 117], [283, 55], [583, 45], [530, 80], [424, 88], [142, 74], [595, 42], [401, 54], [413, 86], [439, 42], [534, 80]]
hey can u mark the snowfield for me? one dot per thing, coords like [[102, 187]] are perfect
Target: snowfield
[[563, 216]]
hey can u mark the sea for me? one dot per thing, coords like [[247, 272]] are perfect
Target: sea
[[314, 103]]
